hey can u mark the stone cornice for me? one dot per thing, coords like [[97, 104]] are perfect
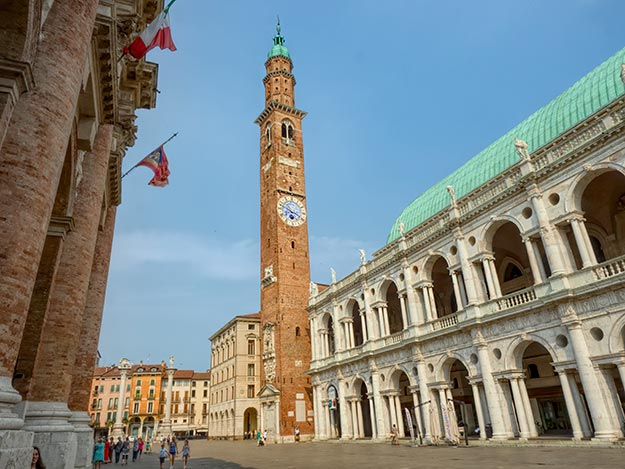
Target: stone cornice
[[60, 226], [279, 72], [276, 106], [16, 78]]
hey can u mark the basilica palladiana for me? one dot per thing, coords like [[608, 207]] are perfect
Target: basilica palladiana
[[496, 306]]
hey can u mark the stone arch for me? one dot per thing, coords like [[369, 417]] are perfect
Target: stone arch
[[429, 262], [489, 230], [516, 349], [20, 24], [327, 321], [437, 271], [576, 188], [445, 363], [395, 374], [389, 293], [616, 337]]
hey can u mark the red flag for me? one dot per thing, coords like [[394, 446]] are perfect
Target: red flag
[[157, 34], [157, 162]]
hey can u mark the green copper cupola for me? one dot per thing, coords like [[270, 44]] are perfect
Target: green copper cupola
[[278, 45]]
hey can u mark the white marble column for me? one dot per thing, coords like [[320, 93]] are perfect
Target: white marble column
[[167, 430], [468, 273], [425, 401], [524, 428], [552, 248], [400, 417], [417, 410], [118, 426], [579, 406], [315, 411], [313, 340], [454, 281], [598, 410], [570, 406], [387, 328], [477, 401], [490, 390], [493, 273], [404, 316], [374, 433], [354, 419], [361, 428], [581, 243], [379, 422], [345, 433], [391, 410], [537, 273], [426, 303]]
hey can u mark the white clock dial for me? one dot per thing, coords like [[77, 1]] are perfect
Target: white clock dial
[[291, 210]]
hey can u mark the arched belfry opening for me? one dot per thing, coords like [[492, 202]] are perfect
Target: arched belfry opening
[[445, 298], [512, 263], [393, 305]]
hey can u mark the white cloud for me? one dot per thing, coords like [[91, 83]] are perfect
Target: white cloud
[[204, 255]]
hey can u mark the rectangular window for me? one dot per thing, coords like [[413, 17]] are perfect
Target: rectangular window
[[116, 402], [251, 327], [135, 409], [205, 383], [99, 403], [102, 388], [300, 411], [128, 387], [250, 369], [150, 407], [250, 391], [205, 392], [110, 402], [114, 417], [117, 388], [193, 393], [112, 388], [127, 403], [126, 415], [108, 416], [251, 347]]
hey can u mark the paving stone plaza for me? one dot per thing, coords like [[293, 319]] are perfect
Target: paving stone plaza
[[245, 454]]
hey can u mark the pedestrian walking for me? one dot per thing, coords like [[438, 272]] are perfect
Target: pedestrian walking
[[140, 447], [394, 435], [173, 449], [186, 452], [107, 450], [98, 454], [135, 450], [265, 437], [297, 433], [125, 451], [162, 455], [259, 438], [118, 449]]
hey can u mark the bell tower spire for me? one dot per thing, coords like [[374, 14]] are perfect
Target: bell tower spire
[[286, 395]]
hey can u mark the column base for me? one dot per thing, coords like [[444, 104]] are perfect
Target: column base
[[10, 418], [500, 436], [84, 440], [54, 435], [118, 431], [604, 436], [16, 448]]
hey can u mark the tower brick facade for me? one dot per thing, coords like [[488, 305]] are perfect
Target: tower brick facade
[[285, 268]]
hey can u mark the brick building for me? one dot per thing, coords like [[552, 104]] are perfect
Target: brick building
[[67, 117], [286, 394]]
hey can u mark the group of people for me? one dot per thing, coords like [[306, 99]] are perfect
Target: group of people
[[169, 449], [105, 449], [261, 437]]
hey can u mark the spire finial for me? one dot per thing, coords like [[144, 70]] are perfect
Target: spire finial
[[278, 25]]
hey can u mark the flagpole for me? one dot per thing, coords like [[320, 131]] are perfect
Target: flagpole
[[169, 6], [166, 141]]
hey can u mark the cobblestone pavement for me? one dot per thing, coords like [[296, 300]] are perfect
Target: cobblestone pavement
[[245, 454]]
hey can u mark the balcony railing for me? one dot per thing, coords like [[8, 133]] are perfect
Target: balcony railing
[[610, 268], [516, 299], [394, 339], [445, 322]]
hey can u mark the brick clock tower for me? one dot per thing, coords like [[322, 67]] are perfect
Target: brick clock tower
[[286, 394]]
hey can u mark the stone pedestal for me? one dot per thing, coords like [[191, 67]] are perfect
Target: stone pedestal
[[84, 440], [16, 448], [54, 434]]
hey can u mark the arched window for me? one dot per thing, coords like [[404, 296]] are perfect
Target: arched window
[[532, 371], [297, 332], [597, 249], [284, 131], [268, 134], [290, 132]]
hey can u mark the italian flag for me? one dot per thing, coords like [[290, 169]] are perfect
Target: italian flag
[[158, 33]]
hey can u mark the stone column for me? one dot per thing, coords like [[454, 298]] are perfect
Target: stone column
[[354, 419], [46, 409], [313, 341], [350, 327], [374, 433], [86, 356], [490, 389], [417, 410], [363, 322], [369, 314], [426, 303], [589, 248], [425, 401], [579, 406], [466, 267], [477, 401], [118, 427], [598, 410], [537, 273], [581, 243], [488, 274], [524, 429], [387, 328], [40, 124], [361, 428], [391, 410], [528, 407], [381, 427], [402, 304], [495, 278], [345, 433], [570, 405], [400, 417], [552, 248], [166, 427], [454, 281], [315, 411], [430, 290]]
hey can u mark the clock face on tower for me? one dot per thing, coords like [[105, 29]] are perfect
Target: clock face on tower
[[291, 210]]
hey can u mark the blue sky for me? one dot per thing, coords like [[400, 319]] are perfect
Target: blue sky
[[398, 95]]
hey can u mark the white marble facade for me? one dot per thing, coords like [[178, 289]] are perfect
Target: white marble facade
[[505, 312]]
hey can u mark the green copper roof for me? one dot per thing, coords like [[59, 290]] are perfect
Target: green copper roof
[[594, 91], [278, 45]]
